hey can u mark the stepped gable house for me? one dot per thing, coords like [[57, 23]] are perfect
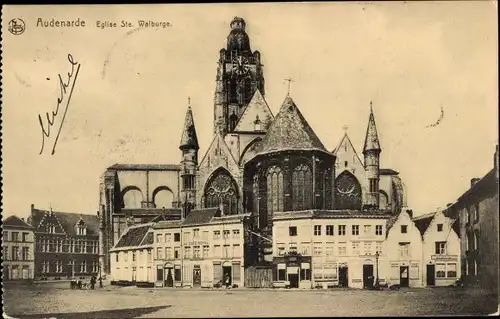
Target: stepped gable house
[[257, 162], [66, 244]]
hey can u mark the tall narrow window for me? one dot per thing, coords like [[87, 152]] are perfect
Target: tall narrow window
[[275, 194], [302, 187]]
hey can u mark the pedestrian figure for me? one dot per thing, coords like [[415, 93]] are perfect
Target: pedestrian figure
[[227, 282], [100, 282], [92, 282]]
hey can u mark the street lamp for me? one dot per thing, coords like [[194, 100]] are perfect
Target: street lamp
[[376, 278]]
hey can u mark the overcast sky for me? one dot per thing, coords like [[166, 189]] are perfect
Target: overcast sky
[[131, 93]]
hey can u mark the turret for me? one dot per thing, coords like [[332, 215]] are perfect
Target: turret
[[371, 152], [189, 148]]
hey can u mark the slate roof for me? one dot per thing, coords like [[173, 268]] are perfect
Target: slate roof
[[423, 221], [148, 240], [173, 215], [290, 131], [134, 236], [146, 167], [485, 186], [189, 139], [256, 108], [200, 216], [167, 224], [15, 222], [68, 221], [371, 139]]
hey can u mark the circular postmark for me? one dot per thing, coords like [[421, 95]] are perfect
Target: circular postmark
[[17, 26]]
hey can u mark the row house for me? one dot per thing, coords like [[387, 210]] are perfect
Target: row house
[[66, 244], [478, 215], [440, 249], [131, 257], [204, 249], [328, 248], [18, 242], [404, 251]]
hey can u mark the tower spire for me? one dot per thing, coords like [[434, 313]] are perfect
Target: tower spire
[[371, 140], [189, 139]]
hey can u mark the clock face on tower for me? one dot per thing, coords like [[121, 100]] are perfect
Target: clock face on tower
[[240, 65]]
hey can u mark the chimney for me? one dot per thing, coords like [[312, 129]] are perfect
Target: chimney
[[32, 207], [410, 212], [474, 181]]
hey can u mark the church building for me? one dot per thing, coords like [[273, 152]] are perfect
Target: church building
[[257, 163]]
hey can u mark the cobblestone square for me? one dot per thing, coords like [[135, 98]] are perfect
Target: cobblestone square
[[57, 300]]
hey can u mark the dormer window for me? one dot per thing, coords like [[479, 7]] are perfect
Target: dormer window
[[51, 229], [81, 229], [257, 124]]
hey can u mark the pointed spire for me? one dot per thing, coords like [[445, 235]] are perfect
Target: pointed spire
[[189, 138], [371, 140]]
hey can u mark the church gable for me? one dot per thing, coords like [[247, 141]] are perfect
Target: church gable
[[348, 159], [257, 115], [218, 154]]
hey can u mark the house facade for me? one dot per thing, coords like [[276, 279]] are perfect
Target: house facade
[[440, 249], [18, 248], [328, 248], [202, 250], [403, 263], [132, 256], [477, 212], [66, 244]]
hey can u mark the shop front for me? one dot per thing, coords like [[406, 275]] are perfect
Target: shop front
[[292, 271]]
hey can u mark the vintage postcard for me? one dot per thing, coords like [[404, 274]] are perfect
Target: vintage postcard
[[250, 160]]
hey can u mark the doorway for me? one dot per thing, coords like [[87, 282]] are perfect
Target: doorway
[[196, 276], [169, 278], [368, 276], [343, 277], [294, 280], [431, 275], [404, 280], [226, 274]]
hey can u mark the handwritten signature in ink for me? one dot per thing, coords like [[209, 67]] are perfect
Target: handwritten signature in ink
[[64, 96]]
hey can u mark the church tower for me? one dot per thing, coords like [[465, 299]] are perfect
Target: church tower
[[371, 152], [189, 148], [239, 75]]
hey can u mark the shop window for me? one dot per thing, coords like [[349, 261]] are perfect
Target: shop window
[[440, 270], [281, 272], [236, 272], [451, 270], [177, 273], [305, 272]]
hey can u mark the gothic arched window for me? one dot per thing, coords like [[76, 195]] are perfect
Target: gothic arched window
[[275, 193], [326, 186], [232, 121], [302, 188], [348, 191], [255, 193], [222, 189]]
